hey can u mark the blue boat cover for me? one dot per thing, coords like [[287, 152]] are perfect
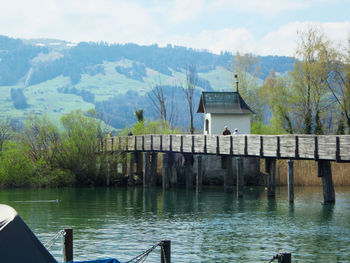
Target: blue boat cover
[[111, 260]]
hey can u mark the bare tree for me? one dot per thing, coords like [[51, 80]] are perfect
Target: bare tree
[[191, 82], [5, 131], [161, 101]]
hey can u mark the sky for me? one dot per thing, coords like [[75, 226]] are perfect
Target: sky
[[262, 27]]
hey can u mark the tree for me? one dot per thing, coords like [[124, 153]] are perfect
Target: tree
[[163, 103], [338, 62], [139, 115], [5, 131], [247, 69], [310, 81], [277, 92], [191, 82]]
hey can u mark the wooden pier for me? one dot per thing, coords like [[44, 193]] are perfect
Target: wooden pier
[[321, 148]]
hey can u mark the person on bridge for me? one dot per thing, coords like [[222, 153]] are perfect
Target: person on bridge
[[235, 131], [226, 131]]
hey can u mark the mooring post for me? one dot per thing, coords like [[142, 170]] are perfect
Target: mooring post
[[165, 252], [240, 177], [290, 181], [271, 176], [228, 176], [199, 174], [154, 162], [325, 171], [285, 258], [189, 170], [68, 245], [146, 161], [165, 171], [131, 168]]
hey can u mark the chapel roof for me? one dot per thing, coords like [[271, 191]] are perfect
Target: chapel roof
[[223, 102]]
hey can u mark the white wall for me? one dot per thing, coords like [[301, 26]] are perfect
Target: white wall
[[217, 122]]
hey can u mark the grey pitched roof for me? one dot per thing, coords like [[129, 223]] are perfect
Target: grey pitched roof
[[223, 102]]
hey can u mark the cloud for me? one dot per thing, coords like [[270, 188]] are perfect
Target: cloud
[[266, 7], [280, 42], [103, 20]]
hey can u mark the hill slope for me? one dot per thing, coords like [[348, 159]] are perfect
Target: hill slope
[[53, 77]]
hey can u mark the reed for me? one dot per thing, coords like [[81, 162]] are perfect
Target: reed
[[305, 173]]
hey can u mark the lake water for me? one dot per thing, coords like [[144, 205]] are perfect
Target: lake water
[[208, 227]]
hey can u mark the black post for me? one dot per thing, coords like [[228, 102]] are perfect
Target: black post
[[68, 245], [285, 258], [199, 174], [165, 252]]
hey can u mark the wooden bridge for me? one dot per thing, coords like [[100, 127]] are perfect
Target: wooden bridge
[[321, 148]]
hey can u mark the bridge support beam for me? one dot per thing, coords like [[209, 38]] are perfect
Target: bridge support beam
[[154, 162], [228, 176], [108, 170], [240, 177], [166, 171], [146, 169], [271, 176], [189, 170], [139, 163], [290, 181], [199, 177], [124, 163], [131, 168], [325, 171]]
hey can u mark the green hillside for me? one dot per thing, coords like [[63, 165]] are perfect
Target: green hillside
[[38, 77]]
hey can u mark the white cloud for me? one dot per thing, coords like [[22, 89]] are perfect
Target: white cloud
[[103, 20], [265, 7], [280, 42], [184, 10]]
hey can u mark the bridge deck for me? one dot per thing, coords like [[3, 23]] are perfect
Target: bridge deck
[[311, 147]]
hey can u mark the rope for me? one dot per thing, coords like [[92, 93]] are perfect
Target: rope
[[274, 257], [52, 241], [144, 254]]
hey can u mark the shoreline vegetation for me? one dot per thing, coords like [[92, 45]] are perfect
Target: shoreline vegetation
[[42, 154]]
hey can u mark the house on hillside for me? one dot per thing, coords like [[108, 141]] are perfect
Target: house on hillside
[[225, 109]]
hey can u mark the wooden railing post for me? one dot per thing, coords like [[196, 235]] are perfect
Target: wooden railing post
[[165, 252], [68, 245]]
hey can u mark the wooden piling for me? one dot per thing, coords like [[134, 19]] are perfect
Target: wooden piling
[[189, 170], [131, 168], [290, 181], [199, 178], [271, 176], [154, 162], [138, 162], [228, 176], [146, 169], [68, 245], [165, 171], [165, 251], [108, 170], [325, 171], [240, 177], [124, 163]]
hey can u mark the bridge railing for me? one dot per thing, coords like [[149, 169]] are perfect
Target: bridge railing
[[325, 147]]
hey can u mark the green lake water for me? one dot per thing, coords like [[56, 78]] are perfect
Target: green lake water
[[212, 226]]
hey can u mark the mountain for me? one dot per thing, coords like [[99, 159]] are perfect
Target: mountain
[[54, 77]]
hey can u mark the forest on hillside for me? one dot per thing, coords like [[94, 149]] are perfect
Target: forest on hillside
[[17, 58]]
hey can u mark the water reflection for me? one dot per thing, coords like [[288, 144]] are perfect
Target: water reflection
[[207, 226]]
